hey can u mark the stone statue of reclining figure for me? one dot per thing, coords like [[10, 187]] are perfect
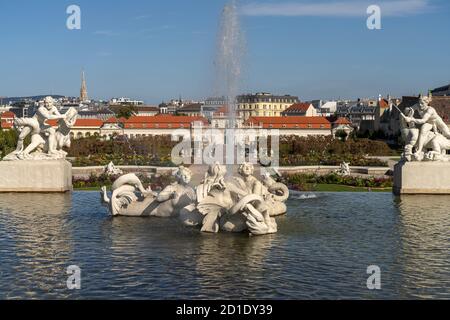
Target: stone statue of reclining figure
[[130, 198]]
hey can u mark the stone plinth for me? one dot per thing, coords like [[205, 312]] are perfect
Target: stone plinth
[[425, 177], [35, 176]]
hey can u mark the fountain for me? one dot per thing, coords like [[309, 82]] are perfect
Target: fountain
[[230, 50], [219, 203], [222, 202]]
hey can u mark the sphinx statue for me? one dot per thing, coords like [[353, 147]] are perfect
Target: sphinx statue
[[130, 198], [47, 143]]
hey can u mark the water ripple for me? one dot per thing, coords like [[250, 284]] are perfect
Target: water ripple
[[322, 251]]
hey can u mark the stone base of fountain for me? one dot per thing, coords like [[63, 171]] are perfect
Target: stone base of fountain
[[35, 176], [424, 177]]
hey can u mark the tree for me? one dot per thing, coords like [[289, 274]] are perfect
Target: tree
[[125, 111]]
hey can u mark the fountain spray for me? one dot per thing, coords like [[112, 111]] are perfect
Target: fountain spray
[[230, 51]]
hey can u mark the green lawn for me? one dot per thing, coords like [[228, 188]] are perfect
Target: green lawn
[[87, 189], [342, 188]]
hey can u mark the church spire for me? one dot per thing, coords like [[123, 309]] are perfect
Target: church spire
[[83, 90]]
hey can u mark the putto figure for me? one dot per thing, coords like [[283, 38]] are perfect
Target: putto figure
[[428, 132], [238, 204], [46, 142], [219, 203]]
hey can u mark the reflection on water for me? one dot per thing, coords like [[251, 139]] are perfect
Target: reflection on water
[[425, 233], [322, 250], [35, 237]]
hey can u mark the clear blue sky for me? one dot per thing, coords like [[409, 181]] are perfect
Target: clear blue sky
[[155, 50]]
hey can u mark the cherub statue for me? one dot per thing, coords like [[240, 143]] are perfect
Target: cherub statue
[[430, 122], [232, 206], [44, 137], [112, 170], [409, 132], [344, 169]]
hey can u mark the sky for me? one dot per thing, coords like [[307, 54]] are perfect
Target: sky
[[157, 50]]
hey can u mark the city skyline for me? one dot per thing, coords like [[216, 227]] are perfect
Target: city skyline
[[157, 51]]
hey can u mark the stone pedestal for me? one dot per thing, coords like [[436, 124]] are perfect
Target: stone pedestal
[[425, 177], [35, 176]]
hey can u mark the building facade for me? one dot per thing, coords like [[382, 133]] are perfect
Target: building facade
[[7, 120], [294, 125], [263, 105], [442, 91], [303, 109]]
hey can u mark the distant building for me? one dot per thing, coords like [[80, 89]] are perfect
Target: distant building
[[341, 125], [102, 114], [192, 110], [23, 109], [170, 107], [325, 108], [134, 127], [124, 100], [442, 91], [263, 105], [304, 109], [147, 111], [7, 120], [212, 104], [221, 119], [294, 125], [364, 115], [83, 89]]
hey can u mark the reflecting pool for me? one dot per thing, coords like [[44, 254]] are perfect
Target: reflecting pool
[[322, 251]]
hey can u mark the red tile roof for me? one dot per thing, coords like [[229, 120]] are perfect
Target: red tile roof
[[95, 123], [6, 125], [114, 120], [7, 114], [384, 104], [161, 121], [342, 120], [298, 107], [294, 122], [223, 110]]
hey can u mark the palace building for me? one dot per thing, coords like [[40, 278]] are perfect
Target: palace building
[[263, 105]]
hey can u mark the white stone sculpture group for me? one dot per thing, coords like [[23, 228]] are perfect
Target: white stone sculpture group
[[46, 142], [344, 169], [426, 132], [234, 204], [112, 170]]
